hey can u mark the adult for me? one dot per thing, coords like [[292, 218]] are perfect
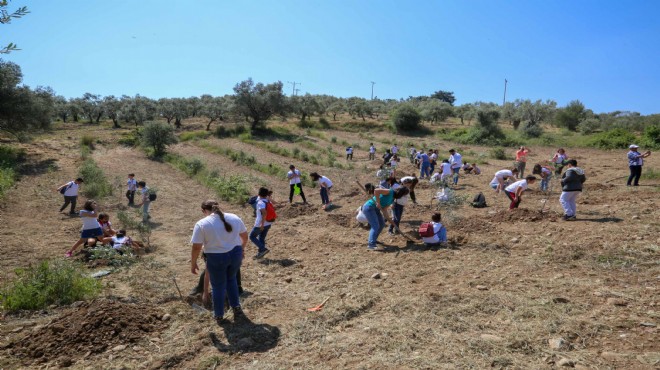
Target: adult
[[90, 228], [223, 237], [413, 181], [146, 202], [412, 153], [635, 162], [387, 156], [349, 153], [498, 183], [425, 165], [456, 161], [399, 204], [70, 194], [295, 181], [324, 185], [514, 191], [372, 152], [376, 207], [261, 226], [559, 160], [433, 158], [439, 232], [131, 185], [571, 186], [521, 160]]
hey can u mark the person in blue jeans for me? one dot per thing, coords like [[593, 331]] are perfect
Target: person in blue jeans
[[399, 204], [223, 237], [425, 165], [635, 163], [261, 226], [376, 207]]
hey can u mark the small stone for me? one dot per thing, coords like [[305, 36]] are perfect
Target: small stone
[[491, 338], [166, 317], [288, 280], [17, 330], [481, 287], [647, 324], [376, 275], [565, 362], [635, 217], [384, 275], [77, 304], [617, 302], [515, 240], [118, 348], [560, 300], [613, 356], [557, 343]]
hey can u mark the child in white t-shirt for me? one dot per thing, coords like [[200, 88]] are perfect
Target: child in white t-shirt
[[439, 232], [325, 185], [515, 190], [446, 169]]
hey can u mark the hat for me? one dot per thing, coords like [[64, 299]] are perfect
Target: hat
[[633, 146]]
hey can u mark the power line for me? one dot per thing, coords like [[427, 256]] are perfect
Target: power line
[[293, 84]]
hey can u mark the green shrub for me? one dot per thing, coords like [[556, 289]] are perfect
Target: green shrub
[[651, 136], [157, 136], [650, 174], [296, 153], [333, 139], [617, 138], [87, 141], [531, 130], [11, 157], [324, 122], [130, 139], [7, 178], [57, 282], [134, 225], [498, 153], [589, 126], [406, 118], [194, 135], [112, 257], [96, 184], [231, 189]]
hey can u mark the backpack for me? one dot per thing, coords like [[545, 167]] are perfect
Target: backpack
[[479, 201], [64, 189], [253, 202], [426, 230], [152, 197], [270, 212]]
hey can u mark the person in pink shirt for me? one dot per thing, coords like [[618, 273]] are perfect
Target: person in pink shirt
[[521, 160]]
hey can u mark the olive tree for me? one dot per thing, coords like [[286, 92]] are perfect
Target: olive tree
[[157, 136], [5, 18], [259, 102], [571, 116], [435, 110], [406, 118], [215, 108], [304, 106]]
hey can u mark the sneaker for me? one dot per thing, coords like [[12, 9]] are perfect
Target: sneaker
[[222, 321], [571, 218], [372, 248], [261, 254], [564, 217], [73, 213]]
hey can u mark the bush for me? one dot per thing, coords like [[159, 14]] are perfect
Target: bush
[[617, 138], [589, 126], [498, 153], [333, 139], [10, 159], [324, 122], [158, 135], [87, 141], [7, 178], [134, 226], [651, 136], [96, 184], [112, 257], [50, 282], [232, 189], [131, 139], [531, 130], [194, 135], [406, 118]]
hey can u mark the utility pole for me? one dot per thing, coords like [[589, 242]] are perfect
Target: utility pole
[[372, 90], [293, 90], [296, 92], [504, 100]]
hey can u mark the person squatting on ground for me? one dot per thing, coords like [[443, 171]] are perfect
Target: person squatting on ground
[[324, 185], [399, 204], [295, 181], [223, 237], [498, 183], [515, 190], [372, 152], [571, 186], [146, 202], [439, 232], [521, 160], [376, 207], [456, 161], [559, 160], [70, 194], [546, 175], [635, 163], [131, 185], [261, 225], [90, 228]]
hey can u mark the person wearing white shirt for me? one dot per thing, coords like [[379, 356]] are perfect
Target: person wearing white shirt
[[131, 185], [439, 232], [446, 169], [372, 152], [456, 161], [325, 185], [498, 182], [295, 181], [90, 228], [223, 237], [261, 226], [515, 190], [349, 153], [412, 153], [146, 202], [394, 149], [70, 194]]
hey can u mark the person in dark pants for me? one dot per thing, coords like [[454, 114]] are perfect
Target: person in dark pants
[[635, 162], [70, 192], [295, 181], [132, 187]]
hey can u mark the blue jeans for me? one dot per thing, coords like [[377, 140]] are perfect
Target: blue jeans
[[258, 237], [456, 171], [325, 199], [376, 221], [145, 211], [397, 211], [424, 170], [544, 183], [222, 269]]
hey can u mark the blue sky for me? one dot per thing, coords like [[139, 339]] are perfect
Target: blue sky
[[604, 53]]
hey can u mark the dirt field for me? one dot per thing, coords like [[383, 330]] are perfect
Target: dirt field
[[515, 290]]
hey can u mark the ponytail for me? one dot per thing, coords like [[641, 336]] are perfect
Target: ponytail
[[216, 210]]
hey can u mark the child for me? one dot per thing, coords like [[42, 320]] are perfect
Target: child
[[446, 169], [91, 227], [411, 182], [144, 191], [546, 174], [372, 152], [131, 183], [393, 163], [439, 232], [412, 152], [120, 240], [387, 156], [325, 185], [475, 169], [467, 168], [106, 226], [515, 190], [559, 160], [261, 226], [349, 153]]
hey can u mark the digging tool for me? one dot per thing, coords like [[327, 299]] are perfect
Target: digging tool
[[177, 289], [319, 307], [616, 178], [405, 236], [547, 196]]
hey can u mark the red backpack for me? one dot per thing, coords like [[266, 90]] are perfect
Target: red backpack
[[426, 230], [270, 212]]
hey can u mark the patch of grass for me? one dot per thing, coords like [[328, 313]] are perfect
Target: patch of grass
[[111, 256], [194, 135], [96, 184], [130, 139], [134, 225], [87, 141], [7, 179], [650, 174], [57, 282], [10, 159], [498, 153]]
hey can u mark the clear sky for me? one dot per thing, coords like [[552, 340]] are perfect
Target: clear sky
[[605, 53]]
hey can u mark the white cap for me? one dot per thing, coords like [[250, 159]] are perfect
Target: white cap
[[633, 146]]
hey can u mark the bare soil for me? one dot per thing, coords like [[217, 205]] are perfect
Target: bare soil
[[510, 286]]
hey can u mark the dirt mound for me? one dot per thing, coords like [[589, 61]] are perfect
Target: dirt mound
[[90, 328], [592, 186], [522, 215], [295, 210], [470, 225], [343, 220]]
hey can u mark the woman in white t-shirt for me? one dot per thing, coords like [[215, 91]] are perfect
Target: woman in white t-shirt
[[223, 237], [91, 227], [439, 232], [325, 185], [515, 190]]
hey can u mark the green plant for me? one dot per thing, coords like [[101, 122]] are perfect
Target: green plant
[[650, 174], [406, 118], [96, 184], [87, 141], [651, 136], [333, 139], [57, 282], [10, 159], [157, 136], [617, 138], [134, 225], [113, 257], [131, 139], [531, 130], [232, 189], [194, 135], [7, 179], [498, 153]]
